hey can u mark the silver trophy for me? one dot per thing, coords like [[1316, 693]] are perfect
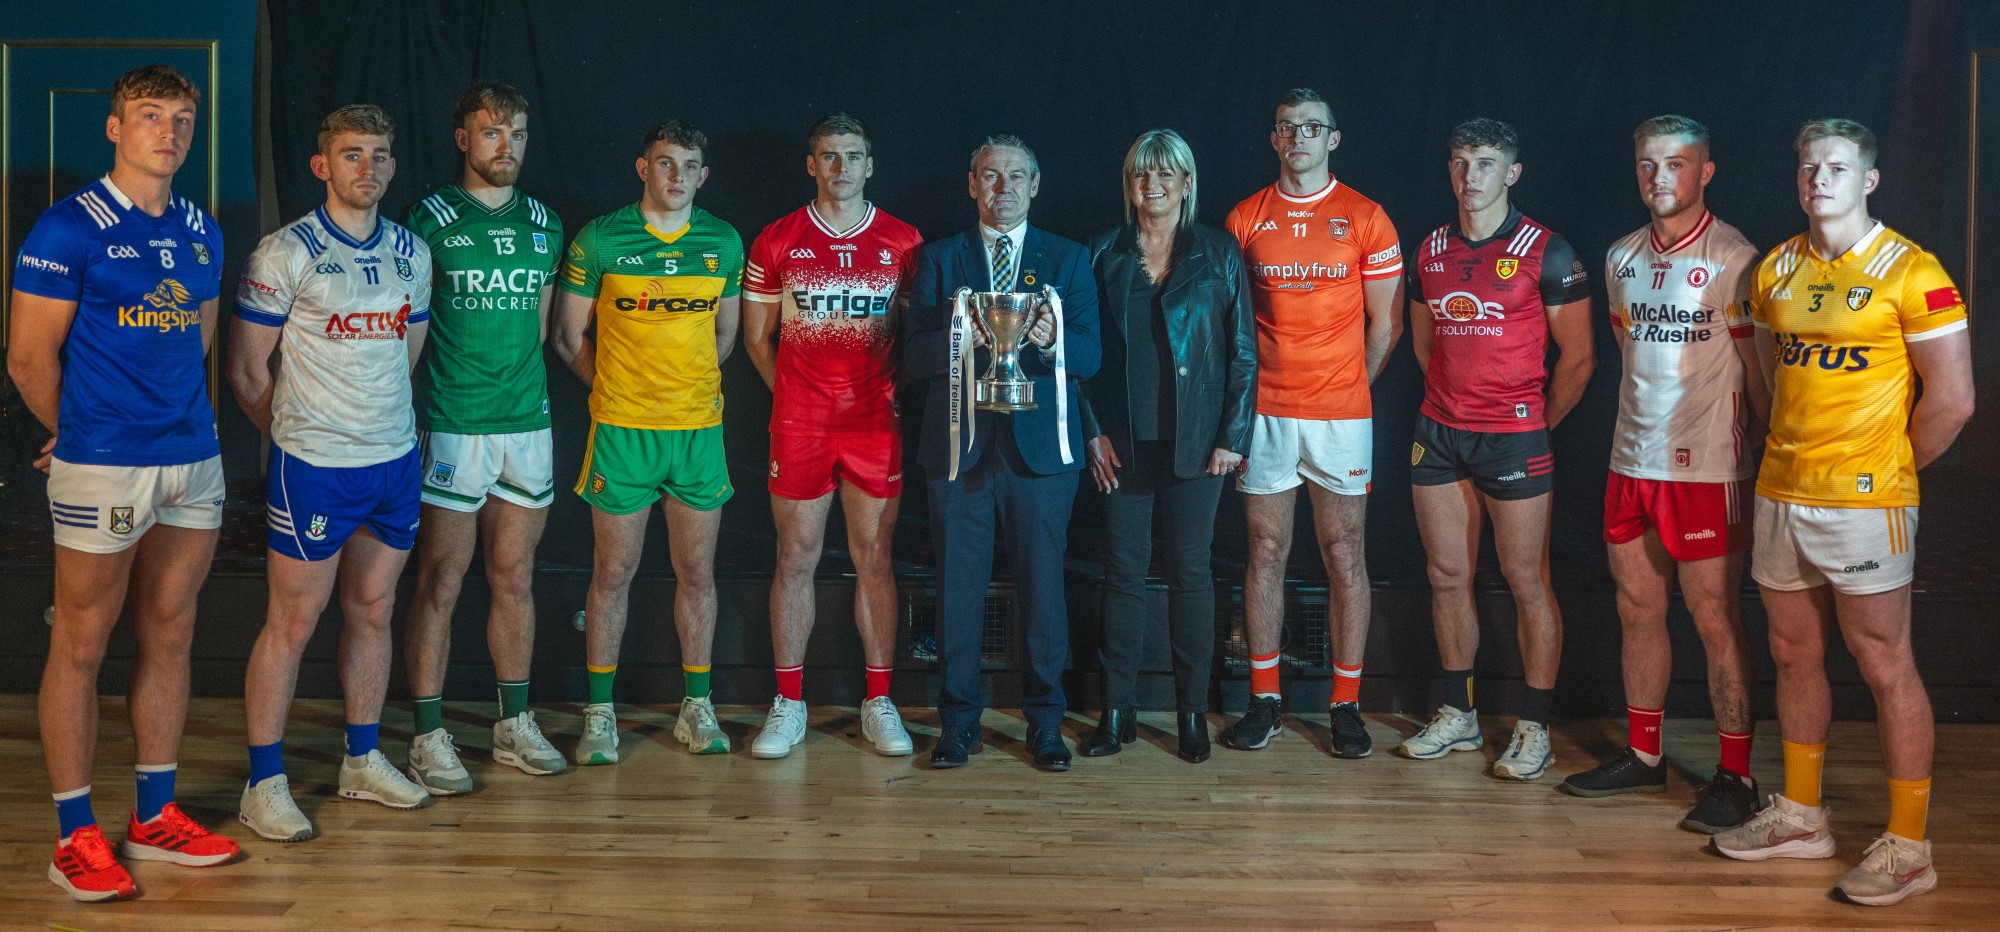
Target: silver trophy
[[1006, 317]]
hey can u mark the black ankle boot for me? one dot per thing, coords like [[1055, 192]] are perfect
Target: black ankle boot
[[1194, 737], [1115, 729]]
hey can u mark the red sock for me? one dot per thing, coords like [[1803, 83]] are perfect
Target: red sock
[[1735, 752], [878, 681], [1643, 728], [1346, 684], [792, 682], [1264, 675]]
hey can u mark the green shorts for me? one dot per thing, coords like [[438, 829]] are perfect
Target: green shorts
[[626, 468]]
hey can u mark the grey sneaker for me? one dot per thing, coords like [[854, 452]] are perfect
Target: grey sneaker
[[376, 780], [518, 743], [600, 736], [882, 725], [784, 728], [1784, 829], [270, 812], [697, 728], [434, 764], [1527, 755], [1449, 730], [1894, 869]]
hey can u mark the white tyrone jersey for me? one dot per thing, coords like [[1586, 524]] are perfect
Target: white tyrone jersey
[[1682, 409], [343, 385]]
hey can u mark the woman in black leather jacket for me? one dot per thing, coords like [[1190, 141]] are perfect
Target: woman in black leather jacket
[[1169, 417]]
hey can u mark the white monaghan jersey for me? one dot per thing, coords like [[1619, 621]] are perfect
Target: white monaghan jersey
[[1682, 409], [343, 385]]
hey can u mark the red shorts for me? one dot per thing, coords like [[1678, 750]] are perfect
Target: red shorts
[[806, 467], [1695, 520]]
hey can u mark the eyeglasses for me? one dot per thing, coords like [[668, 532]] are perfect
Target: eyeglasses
[[1308, 130]]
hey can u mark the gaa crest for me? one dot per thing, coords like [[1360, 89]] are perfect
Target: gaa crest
[[712, 262], [1857, 297], [121, 519], [441, 474], [403, 270], [1337, 227], [317, 529], [1505, 268]]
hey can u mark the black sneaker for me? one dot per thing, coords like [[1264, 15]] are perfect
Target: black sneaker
[[1259, 724], [1625, 773], [1350, 734], [1729, 801]]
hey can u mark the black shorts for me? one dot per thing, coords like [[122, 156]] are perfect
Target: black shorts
[[1509, 467]]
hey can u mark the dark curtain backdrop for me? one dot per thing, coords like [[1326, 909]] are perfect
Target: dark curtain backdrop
[[1078, 81]]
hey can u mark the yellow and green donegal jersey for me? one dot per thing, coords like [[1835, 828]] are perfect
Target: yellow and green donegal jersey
[[656, 295]]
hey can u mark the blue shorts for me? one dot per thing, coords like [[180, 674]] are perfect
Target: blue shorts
[[313, 510]]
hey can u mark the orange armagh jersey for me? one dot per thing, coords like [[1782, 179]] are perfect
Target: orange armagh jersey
[[1308, 257], [1840, 408]]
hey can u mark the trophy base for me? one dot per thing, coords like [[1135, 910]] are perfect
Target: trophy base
[[1003, 396]]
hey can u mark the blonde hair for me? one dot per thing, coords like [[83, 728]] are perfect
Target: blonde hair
[[1157, 149], [364, 119]]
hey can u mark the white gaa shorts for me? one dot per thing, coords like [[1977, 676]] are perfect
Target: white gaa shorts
[[460, 470], [1338, 455], [1859, 551], [105, 509]]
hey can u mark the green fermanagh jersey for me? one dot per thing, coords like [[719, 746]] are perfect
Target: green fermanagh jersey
[[485, 367]]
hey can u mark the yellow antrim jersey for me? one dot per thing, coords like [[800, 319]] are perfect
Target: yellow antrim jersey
[[1840, 410], [656, 299]]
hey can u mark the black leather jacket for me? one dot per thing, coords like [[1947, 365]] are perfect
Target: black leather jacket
[[1212, 335]]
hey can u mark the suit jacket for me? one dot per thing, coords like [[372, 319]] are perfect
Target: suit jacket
[[1211, 334], [942, 268]]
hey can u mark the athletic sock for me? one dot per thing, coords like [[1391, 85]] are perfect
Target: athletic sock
[[1642, 732], [1535, 706], [429, 713], [1346, 684], [1735, 752], [1264, 675], [73, 812], [1909, 807], [791, 682], [1802, 771], [155, 783], [1458, 690], [878, 681], [697, 680], [600, 683], [266, 761], [513, 699], [363, 738]]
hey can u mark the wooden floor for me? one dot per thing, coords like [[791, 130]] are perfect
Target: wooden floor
[[836, 836]]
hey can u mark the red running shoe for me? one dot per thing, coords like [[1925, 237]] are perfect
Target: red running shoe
[[175, 838], [86, 870]]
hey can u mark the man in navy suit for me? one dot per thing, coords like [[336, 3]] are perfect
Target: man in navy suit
[[1012, 474]]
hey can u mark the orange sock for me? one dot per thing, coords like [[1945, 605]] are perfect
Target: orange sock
[[1346, 684], [1803, 763], [1264, 675], [1909, 807]]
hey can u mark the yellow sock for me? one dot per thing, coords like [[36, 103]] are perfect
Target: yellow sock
[[1802, 770], [1909, 807]]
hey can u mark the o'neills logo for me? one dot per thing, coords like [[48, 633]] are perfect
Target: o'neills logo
[[1703, 534], [370, 325]]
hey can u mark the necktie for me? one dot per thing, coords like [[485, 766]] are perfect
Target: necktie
[[1003, 264]]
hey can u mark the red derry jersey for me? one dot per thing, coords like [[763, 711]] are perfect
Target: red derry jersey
[[1681, 407], [1309, 258], [836, 341], [1489, 322]]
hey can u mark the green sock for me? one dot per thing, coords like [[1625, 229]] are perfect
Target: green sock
[[430, 713], [600, 683], [697, 680], [514, 698]]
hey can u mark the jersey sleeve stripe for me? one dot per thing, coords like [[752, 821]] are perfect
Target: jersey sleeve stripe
[[98, 212], [1935, 332], [1389, 271], [258, 316]]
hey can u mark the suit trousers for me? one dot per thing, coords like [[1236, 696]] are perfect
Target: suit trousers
[[1186, 511], [1000, 501]]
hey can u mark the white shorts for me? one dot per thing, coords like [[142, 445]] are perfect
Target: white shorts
[[1338, 455], [105, 509], [460, 470], [1858, 550]]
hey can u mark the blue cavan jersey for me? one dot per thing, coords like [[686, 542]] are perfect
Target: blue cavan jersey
[[134, 391]]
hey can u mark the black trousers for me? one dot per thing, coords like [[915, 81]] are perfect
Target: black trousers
[[1186, 511]]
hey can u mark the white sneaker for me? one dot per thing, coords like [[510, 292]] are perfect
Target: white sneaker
[[377, 780], [1894, 869], [784, 728], [1449, 730], [599, 744], [434, 764], [518, 743], [697, 728], [1527, 755], [270, 812], [883, 725], [1784, 829]]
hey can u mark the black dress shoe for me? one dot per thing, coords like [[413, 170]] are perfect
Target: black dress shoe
[[1050, 752], [955, 746], [1117, 728], [1194, 737]]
